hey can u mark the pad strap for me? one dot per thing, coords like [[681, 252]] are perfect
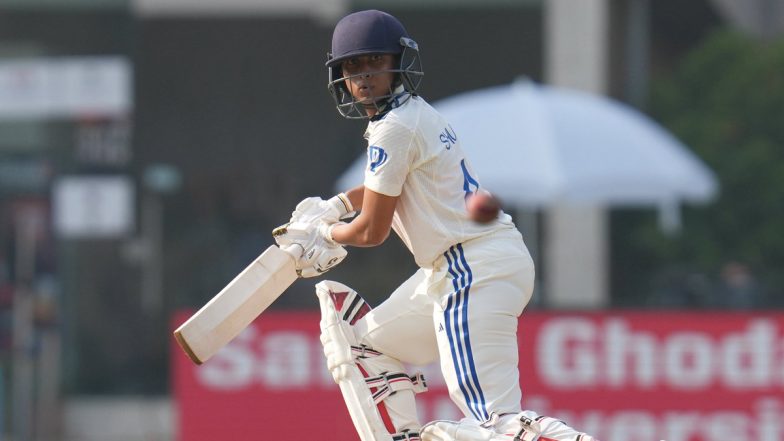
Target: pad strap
[[362, 352], [387, 384], [406, 435], [529, 429]]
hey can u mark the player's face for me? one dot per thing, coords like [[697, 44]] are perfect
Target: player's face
[[368, 77]]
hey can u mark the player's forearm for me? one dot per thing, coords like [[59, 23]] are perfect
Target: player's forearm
[[361, 232], [355, 195], [371, 227]]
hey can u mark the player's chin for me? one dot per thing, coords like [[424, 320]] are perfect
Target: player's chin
[[367, 101]]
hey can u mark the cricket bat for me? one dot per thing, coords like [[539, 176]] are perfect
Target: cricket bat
[[237, 305]]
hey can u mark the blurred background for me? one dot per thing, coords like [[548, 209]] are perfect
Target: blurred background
[[148, 148]]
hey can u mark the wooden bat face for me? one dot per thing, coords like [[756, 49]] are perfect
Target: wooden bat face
[[236, 305]]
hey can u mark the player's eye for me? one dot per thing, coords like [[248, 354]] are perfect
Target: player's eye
[[351, 65]]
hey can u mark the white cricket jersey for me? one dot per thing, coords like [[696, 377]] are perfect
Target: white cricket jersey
[[414, 153]]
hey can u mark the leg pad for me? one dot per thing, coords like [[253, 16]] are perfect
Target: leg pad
[[379, 396]]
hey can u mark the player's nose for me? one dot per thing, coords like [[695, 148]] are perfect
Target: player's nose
[[366, 72], [364, 77]]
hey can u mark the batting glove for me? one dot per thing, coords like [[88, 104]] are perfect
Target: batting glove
[[316, 209], [316, 256]]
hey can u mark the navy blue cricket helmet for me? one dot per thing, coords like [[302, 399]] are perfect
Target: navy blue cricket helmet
[[366, 33]]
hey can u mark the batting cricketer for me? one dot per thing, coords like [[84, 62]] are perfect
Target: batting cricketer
[[474, 279]]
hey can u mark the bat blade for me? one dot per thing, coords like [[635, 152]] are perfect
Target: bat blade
[[236, 305]]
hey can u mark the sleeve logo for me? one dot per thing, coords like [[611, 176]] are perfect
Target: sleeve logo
[[376, 157]]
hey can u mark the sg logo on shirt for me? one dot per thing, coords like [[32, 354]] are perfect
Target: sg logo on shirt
[[376, 157]]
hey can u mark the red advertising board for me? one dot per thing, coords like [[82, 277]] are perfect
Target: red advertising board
[[621, 376]]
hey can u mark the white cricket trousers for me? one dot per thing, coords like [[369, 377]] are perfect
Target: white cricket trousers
[[463, 311]]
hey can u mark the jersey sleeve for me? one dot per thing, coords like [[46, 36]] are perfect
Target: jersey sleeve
[[390, 155]]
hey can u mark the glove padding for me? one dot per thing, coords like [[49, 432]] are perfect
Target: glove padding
[[314, 255], [314, 209]]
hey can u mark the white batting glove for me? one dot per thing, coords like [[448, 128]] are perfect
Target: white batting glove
[[315, 255], [325, 230], [316, 209]]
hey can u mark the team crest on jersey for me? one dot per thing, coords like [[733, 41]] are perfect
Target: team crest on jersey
[[376, 157]]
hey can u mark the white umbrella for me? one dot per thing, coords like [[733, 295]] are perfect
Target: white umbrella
[[535, 145]]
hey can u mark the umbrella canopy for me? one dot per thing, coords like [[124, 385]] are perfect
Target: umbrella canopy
[[535, 145]]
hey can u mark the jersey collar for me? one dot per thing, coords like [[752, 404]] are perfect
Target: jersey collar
[[399, 97]]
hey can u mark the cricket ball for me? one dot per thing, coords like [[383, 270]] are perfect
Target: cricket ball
[[482, 207]]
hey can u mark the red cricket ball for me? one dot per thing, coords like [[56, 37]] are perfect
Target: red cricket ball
[[482, 207]]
